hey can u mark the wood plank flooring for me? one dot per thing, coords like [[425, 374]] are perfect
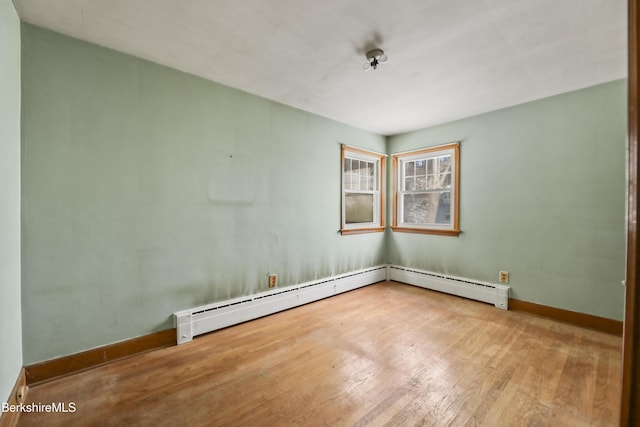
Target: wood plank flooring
[[385, 355]]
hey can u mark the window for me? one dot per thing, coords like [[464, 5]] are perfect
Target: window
[[425, 190], [362, 191]]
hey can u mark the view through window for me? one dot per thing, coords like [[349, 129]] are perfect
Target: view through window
[[426, 190]]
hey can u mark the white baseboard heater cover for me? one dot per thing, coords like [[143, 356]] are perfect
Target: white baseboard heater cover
[[211, 317], [495, 294]]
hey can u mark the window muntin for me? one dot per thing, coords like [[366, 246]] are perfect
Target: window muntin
[[426, 190], [362, 198]]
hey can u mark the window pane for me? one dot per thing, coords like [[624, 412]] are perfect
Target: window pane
[[364, 184], [421, 167], [431, 166], [371, 177], [355, 174], [358, 208], [421, 182], [436, 182], [445, 180], [409, 184], [370, 184], [362, 168], [432, 208], [409, 168], [347, 165], [347, 174], [445, 163]]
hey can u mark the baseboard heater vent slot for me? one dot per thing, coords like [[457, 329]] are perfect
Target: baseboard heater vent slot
[[495, 294], [211, 317]]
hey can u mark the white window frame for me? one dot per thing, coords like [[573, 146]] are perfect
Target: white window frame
[[377, 225], [399, 160]]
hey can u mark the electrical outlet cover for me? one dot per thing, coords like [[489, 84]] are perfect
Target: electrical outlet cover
[[504, 277]]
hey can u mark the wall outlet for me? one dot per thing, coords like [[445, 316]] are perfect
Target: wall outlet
[[504, 277], [273, 280]]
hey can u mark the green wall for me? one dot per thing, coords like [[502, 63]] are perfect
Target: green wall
[[10, 317], [147, 191], [542, 196]]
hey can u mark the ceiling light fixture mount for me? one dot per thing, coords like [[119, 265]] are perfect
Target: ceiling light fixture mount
[[374, 58]]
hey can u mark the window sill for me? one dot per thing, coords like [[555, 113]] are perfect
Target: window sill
[[427, 231], [348, 231]]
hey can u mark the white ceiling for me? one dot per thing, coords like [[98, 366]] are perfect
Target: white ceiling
[[448, 59]]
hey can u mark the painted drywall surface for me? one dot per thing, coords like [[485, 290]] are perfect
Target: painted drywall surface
[[542, 196], [147, 191], [10, 317]]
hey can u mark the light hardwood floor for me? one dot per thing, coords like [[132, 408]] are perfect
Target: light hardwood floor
[[385, 355]]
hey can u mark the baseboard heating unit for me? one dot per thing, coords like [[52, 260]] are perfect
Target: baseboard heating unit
[[211, 317], [495, 294]]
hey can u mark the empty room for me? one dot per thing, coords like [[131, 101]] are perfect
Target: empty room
[[317, 213]]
